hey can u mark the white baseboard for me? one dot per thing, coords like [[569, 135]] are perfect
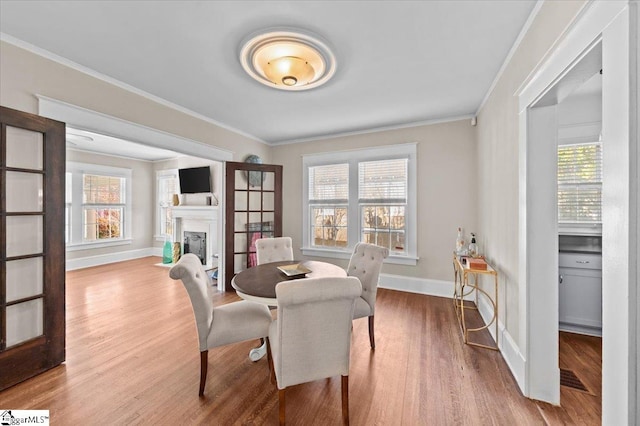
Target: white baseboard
[[508, 347], [103, 259], [439, 288]]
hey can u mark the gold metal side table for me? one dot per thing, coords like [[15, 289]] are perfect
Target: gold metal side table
[[464, 287]]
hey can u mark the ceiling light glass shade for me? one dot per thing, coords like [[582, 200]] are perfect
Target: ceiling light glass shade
[[73, 137], [288, 60]]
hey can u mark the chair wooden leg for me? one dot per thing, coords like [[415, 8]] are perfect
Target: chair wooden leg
[[204, 364], [345, 400], [281, 405], [372, 338], [272, 371]]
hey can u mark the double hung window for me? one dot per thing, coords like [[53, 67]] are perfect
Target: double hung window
[[361, 196], [167, 187], [580, 186], [98, 205], [103, 203]]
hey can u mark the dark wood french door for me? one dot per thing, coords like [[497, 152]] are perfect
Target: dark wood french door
[[32, 251], [253, 209]]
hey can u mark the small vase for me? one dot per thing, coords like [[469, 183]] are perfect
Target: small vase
[[176, 252]]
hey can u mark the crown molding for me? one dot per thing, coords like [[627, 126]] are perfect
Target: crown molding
[[373, 130], [512, 51], [110, 80]]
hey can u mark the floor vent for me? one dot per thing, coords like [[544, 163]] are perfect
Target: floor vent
[[568, 378]]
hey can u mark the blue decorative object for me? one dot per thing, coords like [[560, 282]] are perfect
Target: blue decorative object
[[167, 251]]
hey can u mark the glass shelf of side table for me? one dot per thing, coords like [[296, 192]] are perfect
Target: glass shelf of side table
[[466, 284]]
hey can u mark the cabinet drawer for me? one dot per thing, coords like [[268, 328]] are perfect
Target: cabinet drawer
[[580, 260]]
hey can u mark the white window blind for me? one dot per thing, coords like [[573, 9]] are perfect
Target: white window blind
[[102, 189], [103, 200], [383, 181], [580, 183], [329, 184]]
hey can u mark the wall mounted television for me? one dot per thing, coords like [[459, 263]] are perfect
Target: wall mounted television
[[194, 180]]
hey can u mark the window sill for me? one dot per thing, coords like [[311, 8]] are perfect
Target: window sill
[[346, 254], [101, 244], [577, 229]]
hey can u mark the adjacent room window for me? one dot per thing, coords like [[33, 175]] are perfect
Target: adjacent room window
[[166, 188], [580, 185], [361, 195], [67, 207], [103, 201], [98, 208]]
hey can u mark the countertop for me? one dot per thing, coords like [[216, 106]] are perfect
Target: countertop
[[580, 244]]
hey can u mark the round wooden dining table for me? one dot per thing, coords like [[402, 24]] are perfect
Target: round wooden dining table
[[258, 283]]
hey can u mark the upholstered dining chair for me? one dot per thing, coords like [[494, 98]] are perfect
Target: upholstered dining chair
[[311, 338], [221, 325], [365, 264], [274, 249]]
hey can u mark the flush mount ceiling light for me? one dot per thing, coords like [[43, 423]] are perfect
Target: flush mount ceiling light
[[74, 138], [288, 60]]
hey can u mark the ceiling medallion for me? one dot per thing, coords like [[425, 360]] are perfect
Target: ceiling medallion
[[288, 59]]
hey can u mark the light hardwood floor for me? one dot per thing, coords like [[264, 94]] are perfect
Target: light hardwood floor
[[132, 358]]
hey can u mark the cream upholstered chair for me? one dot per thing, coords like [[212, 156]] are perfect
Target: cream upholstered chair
[[365, 264], [311, 339], [274, 249], [222, 325]]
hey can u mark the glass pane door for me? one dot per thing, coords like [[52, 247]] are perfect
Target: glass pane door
[[253, 211], [31, 245]]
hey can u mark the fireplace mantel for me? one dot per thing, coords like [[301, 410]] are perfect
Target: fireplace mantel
[[198, 219], [201, 211]]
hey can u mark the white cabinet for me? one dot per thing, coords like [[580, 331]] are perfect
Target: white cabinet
[[580, 297]]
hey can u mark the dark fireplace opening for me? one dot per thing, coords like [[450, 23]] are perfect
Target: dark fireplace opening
[[196, 243]]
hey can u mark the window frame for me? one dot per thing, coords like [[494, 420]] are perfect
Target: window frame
[[579, 228], [160, 174], [77, 171], [353, 158]]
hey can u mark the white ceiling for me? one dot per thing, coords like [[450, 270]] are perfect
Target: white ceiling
[[82, 140], [399, 63]]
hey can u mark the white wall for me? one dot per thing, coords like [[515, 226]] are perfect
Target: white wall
[[183, 162], [446, 195], [580, 117], [498, 157]]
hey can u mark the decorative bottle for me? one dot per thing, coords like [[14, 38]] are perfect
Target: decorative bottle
[[459, 242], [167, 251], [473, 247]]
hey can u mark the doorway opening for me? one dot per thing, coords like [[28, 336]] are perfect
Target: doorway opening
[[171, 152], [609, 25]]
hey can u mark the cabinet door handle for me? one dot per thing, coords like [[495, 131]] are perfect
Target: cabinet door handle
[[561, 279], [582, 261]]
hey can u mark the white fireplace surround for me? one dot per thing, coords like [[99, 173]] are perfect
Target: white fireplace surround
[[197, 219]]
